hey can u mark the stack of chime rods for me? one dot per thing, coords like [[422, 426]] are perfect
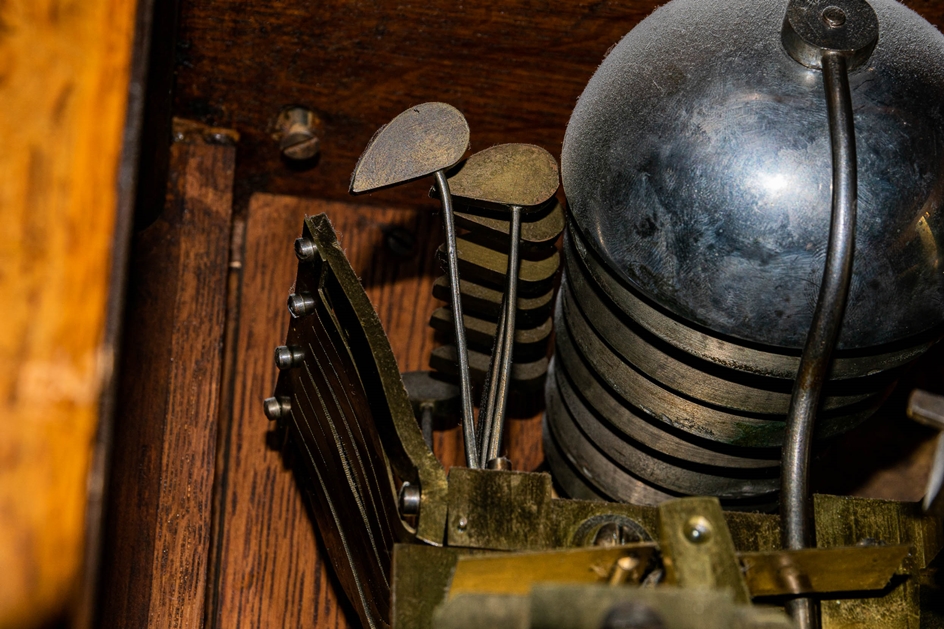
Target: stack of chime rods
[[643, 406], [507, 263], [483, 260]]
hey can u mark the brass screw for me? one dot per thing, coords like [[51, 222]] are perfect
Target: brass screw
[[698, 529], [299, 134]]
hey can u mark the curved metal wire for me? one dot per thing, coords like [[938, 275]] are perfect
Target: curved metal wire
[[497, 420], [796, 509]]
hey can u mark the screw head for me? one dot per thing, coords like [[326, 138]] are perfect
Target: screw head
[[301, 304], [300, 146], [288, 357], [834, 17], [299, 134], [409, 499], [305, 249], [276, 408], [463, 523], [698, 529]]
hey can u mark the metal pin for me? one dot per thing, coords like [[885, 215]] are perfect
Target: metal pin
[[816, 48], [305, 249], [288, 357], [462, 350], [504, 356], [276, 408], [301, 304], [409, 499]]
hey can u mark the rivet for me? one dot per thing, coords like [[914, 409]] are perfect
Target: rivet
[[698, 529], [463, 523]]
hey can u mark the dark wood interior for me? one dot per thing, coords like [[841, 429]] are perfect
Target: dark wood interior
[[515, 69], [206, 526]]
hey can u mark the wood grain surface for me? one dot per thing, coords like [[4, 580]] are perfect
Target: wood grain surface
[[61, 138], [514, 68], [159, 518]]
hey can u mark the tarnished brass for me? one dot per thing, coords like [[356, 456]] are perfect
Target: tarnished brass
[[821, 570], [575, 380], [602, 607], [507, 174], [517, 573], [666, 406], [846, 521], [420, 141], [926, 408], [532, 520], [587, 439], [478, 262], [697, 548], [420, 574], [721, 351], [486, 302], [540, 227], [728, 389], [352, 446], [530, 343], [350, 443], [526, 376]]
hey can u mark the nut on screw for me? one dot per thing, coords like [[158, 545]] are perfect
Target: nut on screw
[[288, 357], [276, 408], [301, 304], [299, 133]]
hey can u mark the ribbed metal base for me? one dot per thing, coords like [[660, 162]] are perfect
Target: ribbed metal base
[[642, 406]]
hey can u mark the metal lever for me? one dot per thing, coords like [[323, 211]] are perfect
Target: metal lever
[[835, 36], [426, 140]]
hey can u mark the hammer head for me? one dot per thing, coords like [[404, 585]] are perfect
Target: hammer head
[[420, 141], [426, 390]]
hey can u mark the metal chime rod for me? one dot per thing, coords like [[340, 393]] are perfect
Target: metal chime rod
[[796, 516], [462, 350], [503, 352]]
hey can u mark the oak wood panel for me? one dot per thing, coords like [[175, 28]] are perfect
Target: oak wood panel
[[61, 140], [270, 570], [515, 68], [159, 517]]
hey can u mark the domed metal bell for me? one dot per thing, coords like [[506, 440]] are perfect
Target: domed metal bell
[[697, 167]]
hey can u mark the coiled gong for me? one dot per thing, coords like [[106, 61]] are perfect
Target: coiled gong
[[697, 169]]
